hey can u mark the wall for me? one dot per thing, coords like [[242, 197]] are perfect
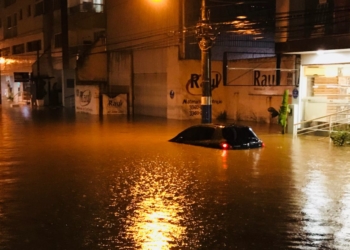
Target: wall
[[93, 64], [150, 82], [165, 86], [142, 24], [241, 99]]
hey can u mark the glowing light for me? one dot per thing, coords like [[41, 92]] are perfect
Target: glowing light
[[224, 145], [156, 224], [157, 1], [224, 159], [320, 52]]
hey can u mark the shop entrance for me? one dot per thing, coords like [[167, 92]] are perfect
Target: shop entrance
[[327, 91]]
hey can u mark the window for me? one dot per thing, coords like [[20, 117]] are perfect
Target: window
[[9, 2], [20, 14], [29, 11], [5, 52], [9, 22], [58, 40], [33, 46], [99, 34], [87, 6], [15, 19], [18, 49], [39, 8]]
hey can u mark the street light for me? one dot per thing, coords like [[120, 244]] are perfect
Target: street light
[[206, 37]]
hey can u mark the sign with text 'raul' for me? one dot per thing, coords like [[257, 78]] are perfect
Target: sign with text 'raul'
[[114, 105], [262, 75]]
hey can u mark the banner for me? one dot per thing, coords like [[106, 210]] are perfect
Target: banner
[[116, 105], [87, 99]]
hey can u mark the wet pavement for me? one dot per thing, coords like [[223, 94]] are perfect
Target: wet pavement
[[76, 181]]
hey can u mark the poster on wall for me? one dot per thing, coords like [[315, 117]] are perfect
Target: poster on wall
[[191, 103], [114, 106], [87, 99]]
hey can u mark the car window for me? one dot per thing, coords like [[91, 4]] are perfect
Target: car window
[[244, 133], [229, 133], [198, 133]]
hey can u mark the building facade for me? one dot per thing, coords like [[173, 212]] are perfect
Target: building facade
[[154, 59], [39, 43], [318, 33]]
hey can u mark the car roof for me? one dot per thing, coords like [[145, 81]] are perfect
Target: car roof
[[220, 125]]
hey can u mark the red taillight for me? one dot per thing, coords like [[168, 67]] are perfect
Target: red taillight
[[225, 145], [263, 145]]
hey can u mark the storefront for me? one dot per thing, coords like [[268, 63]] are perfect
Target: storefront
[[324, 86]]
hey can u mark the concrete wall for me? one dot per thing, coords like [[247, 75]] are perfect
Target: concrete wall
[[165, 86], [150, 82], [93, 67], [142, 24]]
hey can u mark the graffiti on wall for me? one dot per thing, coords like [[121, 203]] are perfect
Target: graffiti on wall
[[194, 91], [87, 99], [115, 105]]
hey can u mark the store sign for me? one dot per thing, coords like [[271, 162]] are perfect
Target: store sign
[[265, 83], [295, 93], [264, 79]]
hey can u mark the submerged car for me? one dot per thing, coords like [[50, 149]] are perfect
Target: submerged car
[[219, 136]]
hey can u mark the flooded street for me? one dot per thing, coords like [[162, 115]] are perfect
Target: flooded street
[[74, 181]]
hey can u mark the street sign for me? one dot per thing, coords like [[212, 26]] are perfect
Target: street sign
[[295, 93]]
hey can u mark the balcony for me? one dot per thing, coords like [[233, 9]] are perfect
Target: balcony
[[87, 7]]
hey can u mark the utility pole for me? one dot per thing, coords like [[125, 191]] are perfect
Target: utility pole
[[206, 38]]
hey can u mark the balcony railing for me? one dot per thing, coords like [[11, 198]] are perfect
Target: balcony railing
[[87, 7]]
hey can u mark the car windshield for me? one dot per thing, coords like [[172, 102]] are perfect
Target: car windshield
[[237, 133]]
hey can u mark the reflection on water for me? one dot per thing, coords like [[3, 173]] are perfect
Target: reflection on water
[[151, 203], [156, 209], [155, 224], [85, 182], [317, 209], [324, 200], [342, 235]]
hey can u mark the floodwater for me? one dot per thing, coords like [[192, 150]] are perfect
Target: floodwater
[[75, 181]]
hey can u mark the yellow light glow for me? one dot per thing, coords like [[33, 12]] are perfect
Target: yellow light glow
[[156, 224], [157, 1]]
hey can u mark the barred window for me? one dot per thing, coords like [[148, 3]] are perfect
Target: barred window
[[33, 46], [18, 49]]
